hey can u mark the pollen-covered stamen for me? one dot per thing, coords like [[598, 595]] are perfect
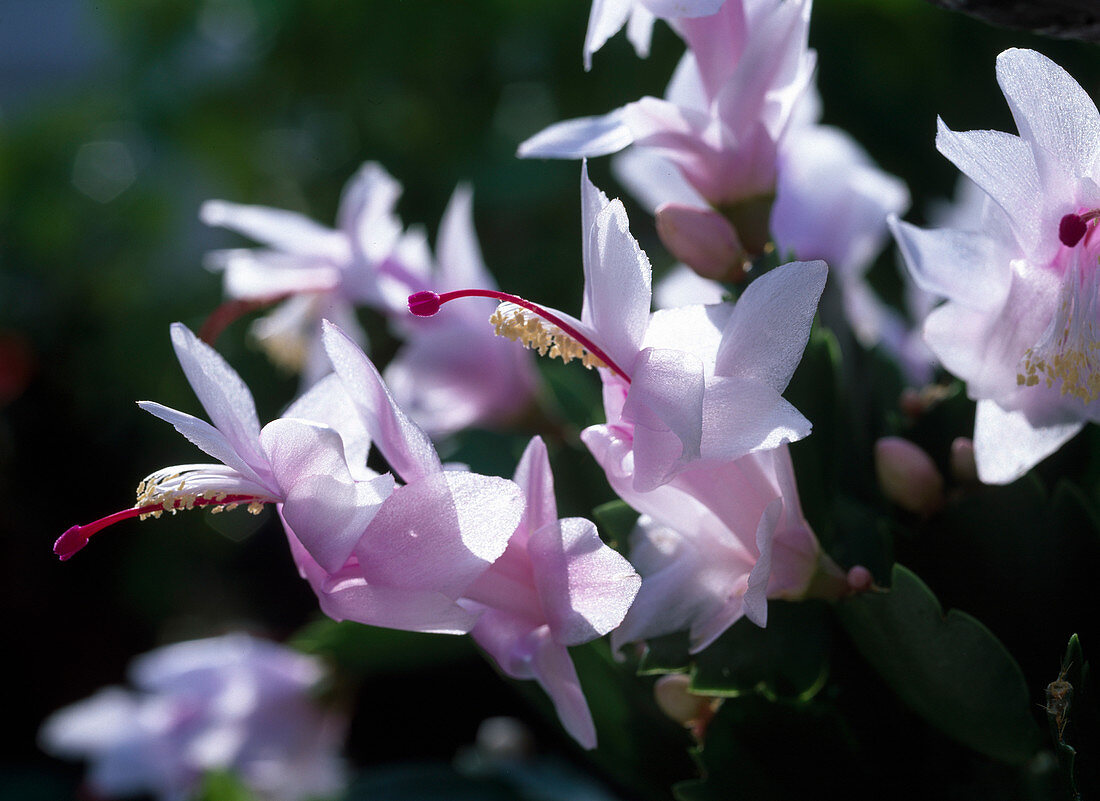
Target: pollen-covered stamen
[[520, 325], [1072, 228], [534, 326], [172, 490], [1069, 350]]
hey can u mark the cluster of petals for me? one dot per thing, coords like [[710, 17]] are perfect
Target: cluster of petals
[[318, 272], [448, 375], [1020, 322], [708, 151], [697, 385], [232, 703], [714, 544]]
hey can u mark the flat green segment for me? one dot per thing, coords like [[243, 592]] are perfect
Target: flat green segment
[[949, 669]]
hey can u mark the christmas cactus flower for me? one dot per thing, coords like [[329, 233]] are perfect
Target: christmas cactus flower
[[717, 132], [608, 17], [556, 585], [315, 272], [453, 372], [231, 703], [713, 545], [430, 539], [312, 461], [693, 386], [1019, 324]]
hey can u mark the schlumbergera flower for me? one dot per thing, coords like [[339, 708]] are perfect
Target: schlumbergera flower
[[228, 703], [692, 387], [609, 16], [453, 372], [397, 557], [556, 585], [315, 272], [1019, 324], [717, 134], [714, 544]]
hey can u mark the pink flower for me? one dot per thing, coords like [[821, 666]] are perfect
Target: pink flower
[[312, 461], [556, 585], [1020, 317], [453, 372], [320, 273], [229, 703], [714, 544], [429, 540], [693, 386]]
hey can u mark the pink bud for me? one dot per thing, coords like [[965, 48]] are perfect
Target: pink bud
[[963, 468], [907, 476], [860, 579], [678, 702], [424, 303], [702, 239]]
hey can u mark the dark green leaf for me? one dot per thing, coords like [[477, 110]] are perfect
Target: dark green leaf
[[616, 520], [951, 670], [367, 650], [224, 786]]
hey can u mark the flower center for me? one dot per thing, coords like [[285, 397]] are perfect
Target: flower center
[[1069, 350], [523, 321], [164, 491]]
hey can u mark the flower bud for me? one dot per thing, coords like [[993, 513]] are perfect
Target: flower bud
[[678, 702], [907, 476], [702, 239], [963, 467]]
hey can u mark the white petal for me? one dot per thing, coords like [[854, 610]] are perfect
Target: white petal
[[653, 179], [461, 265], [1052, 111], [741, 416], [222, 394], [403, 443], [604, 21], [1006, 445], [282, 230], [1004, 167], [534, 477], [577, 138], [770, 325], [681, 287], [327, 402], [961, 265]]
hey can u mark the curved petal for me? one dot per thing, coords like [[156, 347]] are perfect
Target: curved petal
[[770, 325], [1006, 445], [403, 443], [222, 394], [604, 21], [740, 417], [585, 587], [326, 507], [209, 440], [960, 265], [282, 230], [440, 532], [534, 477], [755, 600], [617, 289], [327, 403], [652, 179], [681, 287], [1004, 167], [1052, 111], [366, 215], [461, 265], [554, 671], [580, 137]]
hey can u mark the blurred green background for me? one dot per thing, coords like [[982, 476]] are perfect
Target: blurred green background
[[119, 117]]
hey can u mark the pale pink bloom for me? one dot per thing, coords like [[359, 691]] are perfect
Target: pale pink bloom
[[714, 544], [231, 703], [609, 16], [429, 540], [1019, 324], [556, 585], [317, 272], [452, 372], [719, 129], [312, 460], [693, 386]]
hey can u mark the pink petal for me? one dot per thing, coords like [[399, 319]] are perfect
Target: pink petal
[[577, 138], [770, 325], [328, 510], [535, 479], [282, 230], [740, 417], [585, 586], [403, 443]]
